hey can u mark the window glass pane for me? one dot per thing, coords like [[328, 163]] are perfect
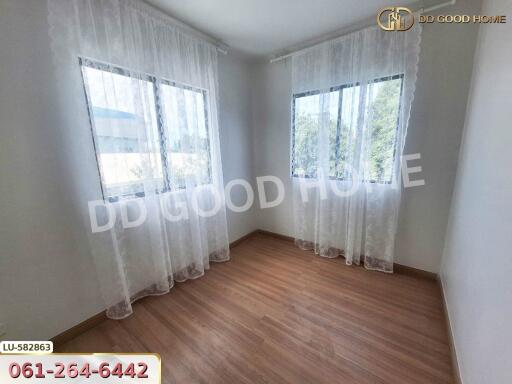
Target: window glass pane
[[348, 134], [126, 134], [333, 111], [188, 149], [311, 113], [384, 103], [341, 117]]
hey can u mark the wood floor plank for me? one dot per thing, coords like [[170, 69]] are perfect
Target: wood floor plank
[[277, 314]]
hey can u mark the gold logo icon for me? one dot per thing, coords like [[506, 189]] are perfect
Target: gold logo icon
[[395, 19]]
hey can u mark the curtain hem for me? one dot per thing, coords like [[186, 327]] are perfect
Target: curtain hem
[[370, 263], [123, 309]]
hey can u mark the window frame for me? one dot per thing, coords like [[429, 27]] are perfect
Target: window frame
[[158, 106], [339, 89], [162, 137]]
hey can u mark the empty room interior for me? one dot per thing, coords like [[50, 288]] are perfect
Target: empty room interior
[[255, 191]]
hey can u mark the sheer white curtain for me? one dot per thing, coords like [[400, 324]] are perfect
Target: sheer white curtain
[[139, 111], [351, 104]]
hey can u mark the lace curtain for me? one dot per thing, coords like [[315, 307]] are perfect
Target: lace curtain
[[351, 104], [139, 114]]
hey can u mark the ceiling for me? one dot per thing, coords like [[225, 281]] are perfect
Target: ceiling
[[266, 27]]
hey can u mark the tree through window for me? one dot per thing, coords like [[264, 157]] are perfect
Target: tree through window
[[338, 111]]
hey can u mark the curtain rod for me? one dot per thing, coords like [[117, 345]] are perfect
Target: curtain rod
[[219, 45], [293, 53]]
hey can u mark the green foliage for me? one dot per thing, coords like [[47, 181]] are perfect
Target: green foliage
[[384, 116], [306, 145]]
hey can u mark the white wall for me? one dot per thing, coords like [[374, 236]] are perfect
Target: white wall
[[47, 279], [477, 268], [271, 140], [47, 276], [436, 125], [437, 120], [236, 137]]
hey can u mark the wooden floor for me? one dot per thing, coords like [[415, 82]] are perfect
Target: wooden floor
[[276, 314]]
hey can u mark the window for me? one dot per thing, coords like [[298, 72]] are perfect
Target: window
[[337, 110], [148, 133], [186, 125]]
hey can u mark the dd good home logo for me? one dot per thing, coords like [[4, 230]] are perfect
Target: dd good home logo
[[395, 19]]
